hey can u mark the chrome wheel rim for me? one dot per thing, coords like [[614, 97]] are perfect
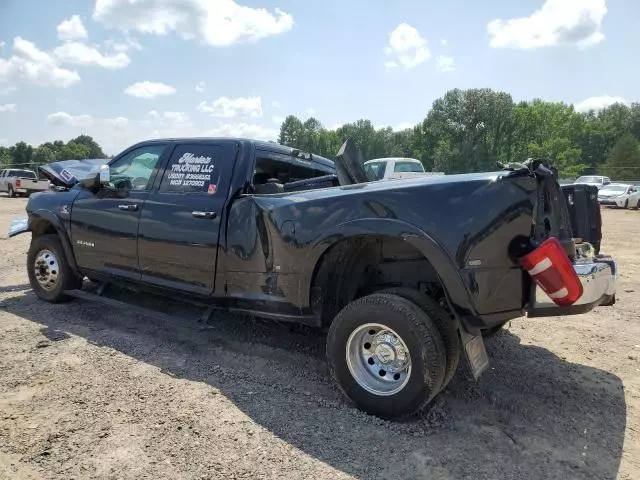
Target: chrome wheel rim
[[378, 359], [47, 270]]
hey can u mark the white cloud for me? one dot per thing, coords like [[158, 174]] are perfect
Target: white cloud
[[275, 104], [568, 22], [72, 29], [120, 123], [124, 46], [233, 107], [310, 111], [243, 130], [598, 103], [200, 87], [31, 65], [446, 64], [77, 53], [64, 118], [407, 48], [8, 107], [278, 120], [443, 42], [403, 126], [148, 89], [7, 90], [2, 44], [4, 142], [215, 22]]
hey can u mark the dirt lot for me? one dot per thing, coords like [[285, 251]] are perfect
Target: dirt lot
[[90, 392]]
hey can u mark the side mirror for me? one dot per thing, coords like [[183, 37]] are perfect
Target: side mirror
[[104, 175], [101, 179]]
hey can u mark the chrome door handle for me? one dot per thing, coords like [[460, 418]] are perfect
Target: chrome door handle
[[198, 214], [132, 207]]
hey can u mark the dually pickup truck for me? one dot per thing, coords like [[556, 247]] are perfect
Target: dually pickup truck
[[407, 275]]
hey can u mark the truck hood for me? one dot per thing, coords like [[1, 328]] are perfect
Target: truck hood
[[66, 173]]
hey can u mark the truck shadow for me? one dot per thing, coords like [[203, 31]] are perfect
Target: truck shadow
[[532, 415]]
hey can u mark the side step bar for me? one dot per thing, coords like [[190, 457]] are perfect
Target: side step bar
[[146, 312]]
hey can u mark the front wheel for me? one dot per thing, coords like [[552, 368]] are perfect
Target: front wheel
[[387, 355], [48, 270], [11, 192], [626, 204]]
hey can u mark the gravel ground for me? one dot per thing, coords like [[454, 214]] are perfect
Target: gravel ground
[[91, 392]]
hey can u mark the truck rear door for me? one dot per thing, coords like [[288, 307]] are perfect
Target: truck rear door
[[181, 221]]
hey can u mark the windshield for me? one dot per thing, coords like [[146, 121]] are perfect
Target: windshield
[[23, 174], [589, 180], [402, 167], [375, 170], [614, 189]]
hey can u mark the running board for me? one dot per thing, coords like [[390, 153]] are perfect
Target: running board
[[146, 312]]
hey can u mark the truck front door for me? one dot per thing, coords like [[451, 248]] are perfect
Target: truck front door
[[104, 224], [181, 222]]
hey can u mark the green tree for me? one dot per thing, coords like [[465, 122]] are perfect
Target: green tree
[[21, 154], [5, 157], [43, 155], [624, 160], [94, 149], [74, 151], [291, 132]]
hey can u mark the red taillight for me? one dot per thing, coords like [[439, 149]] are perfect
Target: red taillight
[[17, 182], [552, 270]]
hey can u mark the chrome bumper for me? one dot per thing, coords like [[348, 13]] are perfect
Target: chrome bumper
[[598, 277]]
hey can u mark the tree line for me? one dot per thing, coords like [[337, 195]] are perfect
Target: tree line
[[472, 130], [464, 131], [23, 155]]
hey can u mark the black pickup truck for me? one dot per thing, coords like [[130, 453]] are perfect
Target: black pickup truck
[[407, 275]]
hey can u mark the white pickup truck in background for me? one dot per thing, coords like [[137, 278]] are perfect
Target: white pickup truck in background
[[396, 168], [18, 181]]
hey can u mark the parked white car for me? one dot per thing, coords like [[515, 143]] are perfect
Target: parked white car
[[18, 181], [595, 180], [619, 195], [395, 168]]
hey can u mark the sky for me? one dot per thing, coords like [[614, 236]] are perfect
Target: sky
[[124, 71]]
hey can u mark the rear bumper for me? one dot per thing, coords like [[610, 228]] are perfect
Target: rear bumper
[[598, 277]]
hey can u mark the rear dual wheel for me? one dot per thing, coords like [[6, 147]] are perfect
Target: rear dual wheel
[[387, 355]]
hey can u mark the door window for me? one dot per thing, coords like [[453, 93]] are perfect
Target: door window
[[197, 169], [134, 170]]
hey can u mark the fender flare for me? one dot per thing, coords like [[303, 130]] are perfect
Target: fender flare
[[455, 288], [62, 233]]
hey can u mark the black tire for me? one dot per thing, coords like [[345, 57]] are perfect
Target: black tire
[[446, 326], [11, 192], [65, 278], [626, 204], [423, 343]]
